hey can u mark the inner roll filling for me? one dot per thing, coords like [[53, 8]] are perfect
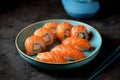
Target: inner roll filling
[[36, 47], [53, 30], [46, 38], [67, 33], [82, 35]]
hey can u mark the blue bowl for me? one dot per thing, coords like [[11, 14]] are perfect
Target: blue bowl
[[81, 9], [95, 42]]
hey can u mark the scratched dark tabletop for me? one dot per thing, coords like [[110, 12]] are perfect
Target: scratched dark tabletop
[[17, 14]]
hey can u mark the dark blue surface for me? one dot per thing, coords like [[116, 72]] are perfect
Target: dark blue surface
[[110, 59], [21, 13]]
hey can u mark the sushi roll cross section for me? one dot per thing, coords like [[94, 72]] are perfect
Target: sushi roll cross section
[[63, 30], [34, 44], [79, 31], [52, 26], [46, 34]]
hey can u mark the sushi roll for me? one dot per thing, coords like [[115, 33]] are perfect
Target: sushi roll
[[79, 31], [49, 57], [63, 30], [46, 34], [52, 26], [34, 44], [69, 53], [79, 43]]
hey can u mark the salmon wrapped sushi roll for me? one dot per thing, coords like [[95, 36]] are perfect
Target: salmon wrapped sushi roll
[[52, 26], [69, 53], [46, 34], [34, 44], [49, 57], [79, 43], [63, 30], [79, 31]]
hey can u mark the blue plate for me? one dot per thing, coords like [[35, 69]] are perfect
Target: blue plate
[[95, 42]]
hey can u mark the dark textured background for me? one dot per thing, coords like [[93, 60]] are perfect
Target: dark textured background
[[17, 14]]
